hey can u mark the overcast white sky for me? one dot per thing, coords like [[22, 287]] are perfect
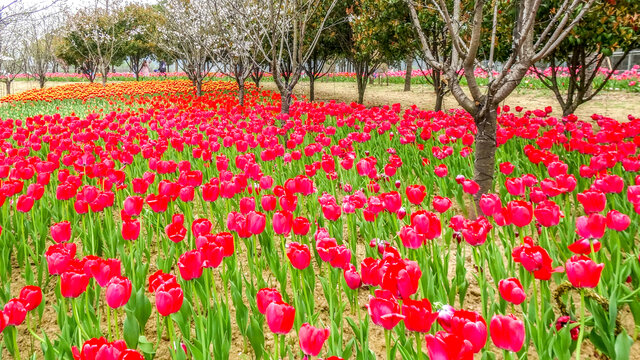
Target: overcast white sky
[[76, 4]]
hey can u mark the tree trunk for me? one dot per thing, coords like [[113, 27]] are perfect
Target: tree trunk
[[361, 81], [569, 108], [362, 86], [407, 75], [312, 88], [439, 100], [105, 71], [241, 92], [485, 152], [8, 85], [41, 81], [285, 97], [198, 87]]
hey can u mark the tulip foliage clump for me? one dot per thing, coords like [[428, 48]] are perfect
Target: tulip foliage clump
[[166, 225]]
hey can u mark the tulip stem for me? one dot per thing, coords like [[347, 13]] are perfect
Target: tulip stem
[[115, 323], [275, 346], [29, 328], [172, 345], [387, 341], [109, 322], [419, 345], [581, 325]]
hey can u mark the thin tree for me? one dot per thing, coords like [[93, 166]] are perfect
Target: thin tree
[[39, 47], [528, 47], [607, 27], [288, 39], [11, 55], [189, 37]]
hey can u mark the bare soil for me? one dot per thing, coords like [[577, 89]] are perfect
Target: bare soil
[[615, 104]]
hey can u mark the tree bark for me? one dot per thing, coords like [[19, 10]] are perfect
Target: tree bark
[[407, 76], [105, 71], [361, 81], [198, 87], [285, 102], [484, 164], [439, 100], [312, 88], [241, 93]]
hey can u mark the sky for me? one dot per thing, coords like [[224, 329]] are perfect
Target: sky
[[76, 4]]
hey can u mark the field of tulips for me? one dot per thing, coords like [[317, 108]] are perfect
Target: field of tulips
[[621, 80], [138, 221]]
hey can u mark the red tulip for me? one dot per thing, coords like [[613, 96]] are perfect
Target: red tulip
[[247, 204], [392, 201], [176, 231], [583, 246], [159, 278], [280, 316], [256, 222], [507, 332], [512, 291], [470, 326], [617, 220], [103, 270], [371, 271], [351, 277], [31, 297], [61, 232], [265, 297], [583, 272], [190, 265], [490, 204], [282, 222], [592, 201], [447, 346], [592, 226], [475, 232], [169, 298], [534, 259], [24, 203], [268, 202], [130, 229], [299, 255], [14, 312], [130, 354], [470, 186], [201, 227], [426, 223], [548, 213], [410, 238], [3, 321], [100, 349], [133, 205], [418, 315], [441, 204], [441, 170], [506, 168], [518, 213], [566, 320], [416, 193], [384, 309], [301, 226], [73, 283], [118, 292], [312, 339], [514, 186], [59, 256]]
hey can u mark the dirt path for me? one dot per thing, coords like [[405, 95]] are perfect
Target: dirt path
[[617, 105]]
